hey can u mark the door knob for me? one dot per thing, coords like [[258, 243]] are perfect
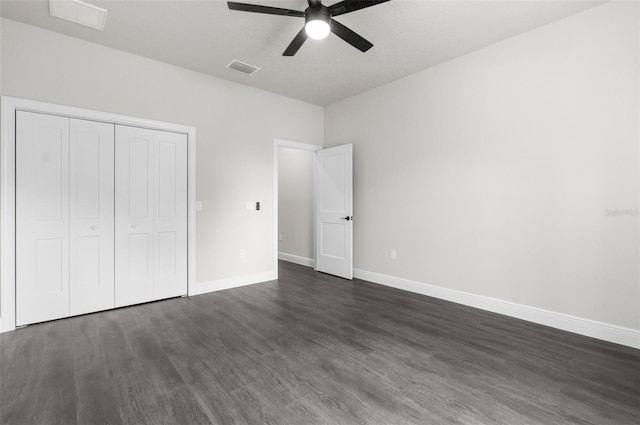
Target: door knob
[[349, 217], [133, 226], [94, 227]]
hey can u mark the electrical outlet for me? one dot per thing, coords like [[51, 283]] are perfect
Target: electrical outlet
[[393, 254], [243, 253]]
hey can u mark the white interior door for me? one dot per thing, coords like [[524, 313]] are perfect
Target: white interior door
[[151, 215], [134, 215], [170, 213], [91, 216], [334, 211], [42, 217]]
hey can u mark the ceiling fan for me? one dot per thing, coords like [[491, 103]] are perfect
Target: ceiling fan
[[318, 21]]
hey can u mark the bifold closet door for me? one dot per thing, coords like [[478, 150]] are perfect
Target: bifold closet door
[[170, 213], [42, 217], [91, 272], [151, 215], [64, 217]]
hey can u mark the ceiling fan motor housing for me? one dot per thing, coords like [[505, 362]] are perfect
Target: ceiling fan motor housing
[[320, 13]]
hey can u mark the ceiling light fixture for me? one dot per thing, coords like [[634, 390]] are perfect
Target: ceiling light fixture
[[317, 22]]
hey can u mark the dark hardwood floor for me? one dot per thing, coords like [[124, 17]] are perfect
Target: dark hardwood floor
[[312, 349]]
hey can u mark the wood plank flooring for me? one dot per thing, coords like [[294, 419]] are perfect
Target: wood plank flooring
[[312, 349]]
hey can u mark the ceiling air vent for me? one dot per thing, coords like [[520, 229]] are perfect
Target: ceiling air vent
[[79, 12], [245, 68]]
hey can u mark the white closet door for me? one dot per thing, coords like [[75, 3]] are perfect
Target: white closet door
[[151, 215], [42, 217], [91, 216], [134, 215], [170, 231]]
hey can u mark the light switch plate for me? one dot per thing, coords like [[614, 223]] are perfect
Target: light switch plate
[[198, 206]]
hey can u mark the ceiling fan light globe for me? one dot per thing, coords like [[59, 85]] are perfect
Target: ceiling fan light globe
[[317, 29]]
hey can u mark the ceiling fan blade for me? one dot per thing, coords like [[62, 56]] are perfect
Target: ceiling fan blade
[[347, 6], [296, 43], [244, 7], [349, 36]]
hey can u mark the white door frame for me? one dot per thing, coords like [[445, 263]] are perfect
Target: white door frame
[[8, 184], [279, 143]]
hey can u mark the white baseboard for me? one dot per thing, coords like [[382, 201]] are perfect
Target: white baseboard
[[604, 331], [232, 282], [303, 261]]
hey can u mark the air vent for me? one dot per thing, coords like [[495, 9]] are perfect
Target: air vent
[[79, 12], [245, 68]]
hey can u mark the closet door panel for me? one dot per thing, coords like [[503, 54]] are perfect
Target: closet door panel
[[134, 264], [42, 217], [91, 216], [170, 236]]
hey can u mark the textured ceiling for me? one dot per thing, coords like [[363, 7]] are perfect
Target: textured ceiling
[[204, 36]]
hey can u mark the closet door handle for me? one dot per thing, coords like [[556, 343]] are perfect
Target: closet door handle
[[94, 227], [133, 226]]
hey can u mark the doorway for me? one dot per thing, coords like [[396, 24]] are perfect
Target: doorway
[[294, 202]]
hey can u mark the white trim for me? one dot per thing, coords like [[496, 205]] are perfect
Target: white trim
[[8, 214], [638, 241], [296, 259], [7, 187], [591, 328], [278, 143], [232, 282]]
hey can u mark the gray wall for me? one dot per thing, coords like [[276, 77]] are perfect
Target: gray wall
[[491, 173], [295, 201], [235, 125]]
